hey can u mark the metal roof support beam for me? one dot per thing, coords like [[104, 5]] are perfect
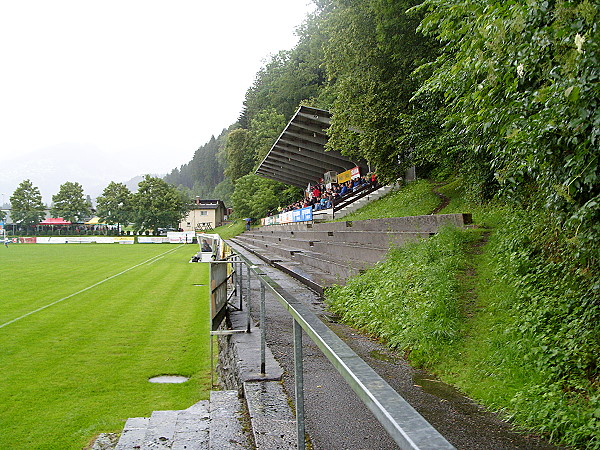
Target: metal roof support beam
[[283, 178], [310, 152], [298, 171], [320, 116], [309, 127], [306, 162], [306, 137]]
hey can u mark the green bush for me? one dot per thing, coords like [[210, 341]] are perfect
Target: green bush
[[555, 328]]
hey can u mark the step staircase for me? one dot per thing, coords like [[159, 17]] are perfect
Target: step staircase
[[217, 423], [252, 413]]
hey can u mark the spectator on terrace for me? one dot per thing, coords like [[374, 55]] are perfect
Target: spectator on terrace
[[316, 192], [343, 190]]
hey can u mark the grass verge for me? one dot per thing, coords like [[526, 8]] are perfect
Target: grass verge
[[414, 199]]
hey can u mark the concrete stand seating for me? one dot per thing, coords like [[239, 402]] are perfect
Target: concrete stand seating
[[323, 254]]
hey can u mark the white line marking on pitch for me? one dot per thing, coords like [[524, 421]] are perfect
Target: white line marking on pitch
[[90, 287]]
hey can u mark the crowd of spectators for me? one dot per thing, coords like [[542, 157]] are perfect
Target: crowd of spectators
[[322, 197]]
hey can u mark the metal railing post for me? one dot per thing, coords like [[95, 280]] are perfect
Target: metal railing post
[[263, 329], [299, 384], [248, 307], [241, 281], [235, 276]]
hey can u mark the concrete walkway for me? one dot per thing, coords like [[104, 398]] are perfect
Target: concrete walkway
[[337, 419]]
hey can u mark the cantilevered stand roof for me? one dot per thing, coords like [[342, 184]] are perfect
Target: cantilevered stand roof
[[298, 157]]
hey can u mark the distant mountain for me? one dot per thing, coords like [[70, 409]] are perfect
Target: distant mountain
[[50, 167]]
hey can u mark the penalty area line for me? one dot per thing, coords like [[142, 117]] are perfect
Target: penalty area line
[[154, 258]]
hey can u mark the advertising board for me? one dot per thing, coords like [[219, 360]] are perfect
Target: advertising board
[[348, 175]]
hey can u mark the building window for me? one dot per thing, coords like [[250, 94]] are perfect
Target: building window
[[204, 213]]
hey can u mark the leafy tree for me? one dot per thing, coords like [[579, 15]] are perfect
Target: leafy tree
[[157, 204], [371, 53], [289, 77], [70, 203], [2, 215], [115, 204], [264, 128], [223, 191], [254, 196], [27, 207], [240, 156]]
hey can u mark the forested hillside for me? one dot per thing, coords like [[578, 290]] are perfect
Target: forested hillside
[[503, 94]]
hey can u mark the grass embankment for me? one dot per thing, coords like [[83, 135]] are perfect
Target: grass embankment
[[81, 366], [504, 311], [231, 230]]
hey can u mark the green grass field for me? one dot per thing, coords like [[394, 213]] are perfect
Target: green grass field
[[73, 366]]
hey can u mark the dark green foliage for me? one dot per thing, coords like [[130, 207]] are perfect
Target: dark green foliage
[[555, 328], [204, 172], [265, 127], [371, 53], [69, 203], [290, 76], [255, 196], [114, 205], [26, 203], [240, 156]]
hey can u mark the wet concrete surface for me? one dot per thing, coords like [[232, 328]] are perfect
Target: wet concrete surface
[[335, 416]]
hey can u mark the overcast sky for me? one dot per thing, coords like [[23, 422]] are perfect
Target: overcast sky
[[131, 79]]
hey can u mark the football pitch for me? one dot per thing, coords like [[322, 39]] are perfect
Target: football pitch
[[82, 329]]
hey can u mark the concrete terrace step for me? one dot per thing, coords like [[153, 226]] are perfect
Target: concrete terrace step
[[327, 267], [214, 424], [423, 224], [273, 423], [381, 239], [323, 254], [341, 253], [226, 429], [133, 433], [314, 278]]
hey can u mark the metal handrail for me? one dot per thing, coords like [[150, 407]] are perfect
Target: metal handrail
[[401, 421]]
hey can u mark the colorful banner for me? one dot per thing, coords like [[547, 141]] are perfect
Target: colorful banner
[[348, 175], [297, 215]]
